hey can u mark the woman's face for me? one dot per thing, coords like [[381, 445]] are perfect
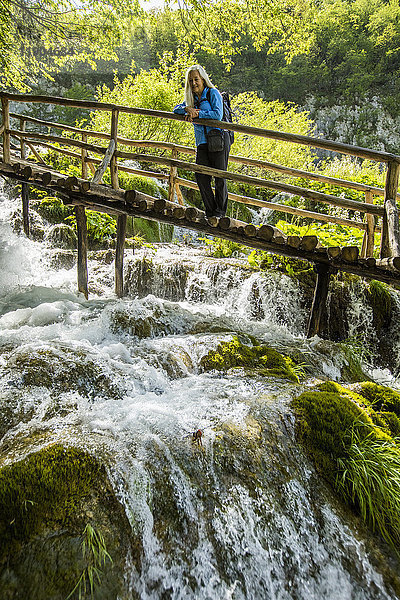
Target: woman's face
[[196, 83]]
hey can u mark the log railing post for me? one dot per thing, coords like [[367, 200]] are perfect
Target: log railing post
[[5, 105], [24, 187], [173, 172], [369, 235], [113, 162], [81, 226], [390, 239], [84, 157]]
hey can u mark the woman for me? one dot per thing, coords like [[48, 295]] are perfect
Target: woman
[[203, 101]]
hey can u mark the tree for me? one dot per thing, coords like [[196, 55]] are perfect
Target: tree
[[38, 36]]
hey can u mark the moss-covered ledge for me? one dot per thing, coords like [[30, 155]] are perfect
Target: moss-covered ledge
[[350, 440], [51, 503], [262, 360]]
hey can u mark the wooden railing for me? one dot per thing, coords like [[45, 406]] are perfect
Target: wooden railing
[[111, 157]]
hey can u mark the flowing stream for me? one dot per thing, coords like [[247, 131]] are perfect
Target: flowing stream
[[243, 516]]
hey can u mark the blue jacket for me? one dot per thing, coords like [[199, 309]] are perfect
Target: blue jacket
[[212, 109]]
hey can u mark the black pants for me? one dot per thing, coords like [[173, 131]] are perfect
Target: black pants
[[214, 204]]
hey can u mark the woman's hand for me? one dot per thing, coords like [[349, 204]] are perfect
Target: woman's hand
[[191, 113]]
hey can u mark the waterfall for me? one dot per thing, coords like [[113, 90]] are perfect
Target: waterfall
[[242, 514]]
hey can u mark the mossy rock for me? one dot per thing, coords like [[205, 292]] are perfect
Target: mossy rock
[[324, 420], [62, 370], [381, 302], [53, 209], [47, 501], [381, 397], [62, 235], [262, 359]]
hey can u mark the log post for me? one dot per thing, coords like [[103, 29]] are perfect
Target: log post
[[119, 256], [24, 188], [318, 309], [5, 105], [84, 157], [369, 235], [113, 162], [81, 226], [390, 239], [173, 172], [23, 128]]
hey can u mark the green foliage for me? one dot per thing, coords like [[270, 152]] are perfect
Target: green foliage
[[370, 480], [339, 429], [100, 226], [381, 301], [262, 359], [220, 248], [47, 486], [127, 181], [381, 397], [53, 209], [95, 555], [329, 234]]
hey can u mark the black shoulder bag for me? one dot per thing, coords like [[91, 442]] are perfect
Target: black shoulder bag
[[215, 137]]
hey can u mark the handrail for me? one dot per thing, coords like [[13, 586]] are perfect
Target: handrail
[[390, 243], [244, 160], [282, 136]]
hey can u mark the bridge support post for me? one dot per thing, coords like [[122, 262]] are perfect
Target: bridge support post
[[318, 309], [119, 256], [24, 187], [25, 207], [390, 239], [81, 226], [5, 105]]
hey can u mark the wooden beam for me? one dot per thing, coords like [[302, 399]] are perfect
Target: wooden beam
[[25, 207], [368, 242], [81, 225], [113, 162], [257, 131], [173, 172], [84, 165], [390, 239], [6, 134], [97, 177], [258, 182], [59, 139], [318, 309], [119, 256]]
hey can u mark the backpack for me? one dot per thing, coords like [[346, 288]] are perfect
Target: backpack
[[227, 111]]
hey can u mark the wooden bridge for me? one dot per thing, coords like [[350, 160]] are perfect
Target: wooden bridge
[[90, 193]]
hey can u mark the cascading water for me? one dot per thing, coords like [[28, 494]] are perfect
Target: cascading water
[[242, 515]]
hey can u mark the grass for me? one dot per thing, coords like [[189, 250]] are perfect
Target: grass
[[95, 553], [370, 480]]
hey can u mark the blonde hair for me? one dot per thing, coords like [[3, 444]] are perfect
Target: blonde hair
[[189, 99]]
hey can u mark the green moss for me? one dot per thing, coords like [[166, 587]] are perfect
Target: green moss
[[48, 486], [381, 302], [53, 209], [266, 361], [324, 419], [381, 397], [145, 185], [61, 371]]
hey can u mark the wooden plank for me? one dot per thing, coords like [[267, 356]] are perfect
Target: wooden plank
[[25, 207], [119, 256], [84, 166], [59, 139], [97, 177], [6, 134], [81, 225], [113, 162], [318, 309], [368, 242], [390, 238], [173, 172], [276, 135]]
